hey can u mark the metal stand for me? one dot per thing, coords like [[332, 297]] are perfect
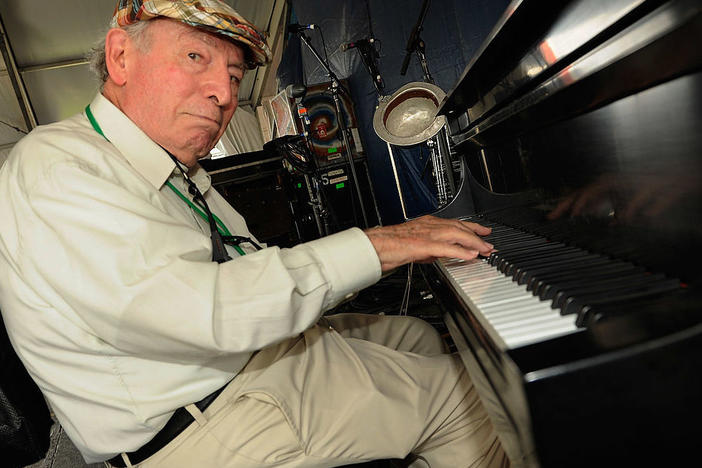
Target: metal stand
[[369, 57], [416, 44], [439, 146], [321, 216], [439, 143], [335, 85], [370, 187], [397, 182]]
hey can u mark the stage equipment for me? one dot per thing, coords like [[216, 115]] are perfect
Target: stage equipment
[[322, 126], [368, 49], [336, 88], [298, 160], [415, 44], [409, 117], [296, 28], [258, 186], [369, 56]]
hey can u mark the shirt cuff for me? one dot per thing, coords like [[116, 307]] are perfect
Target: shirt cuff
[[350, 263]]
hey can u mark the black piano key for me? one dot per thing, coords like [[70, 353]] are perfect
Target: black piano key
[[590, 278], [596, 286], [576, 305], [660, 304], [497, 256], [509, 238], [512, 267], [559, 267], [538, 283], [501, 229], [602, 288], [552, 282], [518, 243], [560, 263], [529, 249], [501, 260]]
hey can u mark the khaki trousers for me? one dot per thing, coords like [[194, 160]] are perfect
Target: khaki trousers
[[354, 388]]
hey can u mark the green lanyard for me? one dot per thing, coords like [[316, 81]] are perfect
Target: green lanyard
[[220, 225]]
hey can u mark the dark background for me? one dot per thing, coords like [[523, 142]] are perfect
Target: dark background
[[453, 31]]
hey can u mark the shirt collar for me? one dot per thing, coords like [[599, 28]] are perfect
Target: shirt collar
[[142, 153]]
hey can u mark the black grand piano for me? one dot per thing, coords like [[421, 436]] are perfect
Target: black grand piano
[[576, 134]]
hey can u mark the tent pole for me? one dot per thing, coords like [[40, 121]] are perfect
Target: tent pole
[[18, 85]]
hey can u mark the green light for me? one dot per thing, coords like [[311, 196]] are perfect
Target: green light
[[340, 185], [332, 150], [299, 185]]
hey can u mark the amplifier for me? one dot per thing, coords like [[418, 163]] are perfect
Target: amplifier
[[340, 199], [259, 188], [276, 201]]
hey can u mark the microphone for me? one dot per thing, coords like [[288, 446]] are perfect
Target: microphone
[[295, 91], [296, 28], [359, 43]]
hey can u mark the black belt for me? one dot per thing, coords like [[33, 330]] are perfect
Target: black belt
[[175, 425]]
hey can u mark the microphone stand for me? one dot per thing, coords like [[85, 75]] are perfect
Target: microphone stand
[[417, 44], [368, 57], [335, 85], [321, 216]]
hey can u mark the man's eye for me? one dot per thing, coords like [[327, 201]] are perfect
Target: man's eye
[[236, 79], [193, 55]]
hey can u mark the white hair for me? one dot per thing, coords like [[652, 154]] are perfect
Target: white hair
[[96, 55]]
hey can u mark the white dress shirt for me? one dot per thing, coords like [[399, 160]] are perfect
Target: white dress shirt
[[109, 293]]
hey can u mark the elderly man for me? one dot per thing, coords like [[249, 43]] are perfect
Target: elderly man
[[160, 334]]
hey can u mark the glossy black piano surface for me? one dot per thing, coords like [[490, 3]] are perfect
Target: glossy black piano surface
[[579, 125]]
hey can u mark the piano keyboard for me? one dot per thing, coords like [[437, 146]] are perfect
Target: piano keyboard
[[533, 289]]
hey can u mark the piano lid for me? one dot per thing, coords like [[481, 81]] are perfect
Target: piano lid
[[539, 49]]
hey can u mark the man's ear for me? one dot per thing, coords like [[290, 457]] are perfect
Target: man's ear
[[116, 43]]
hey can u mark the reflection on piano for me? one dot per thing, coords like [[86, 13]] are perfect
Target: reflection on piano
[[576, 134]]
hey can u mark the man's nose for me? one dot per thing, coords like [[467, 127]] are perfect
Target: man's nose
[[219, 86]]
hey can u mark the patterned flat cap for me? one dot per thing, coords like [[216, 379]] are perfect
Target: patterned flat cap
[[211, 15]]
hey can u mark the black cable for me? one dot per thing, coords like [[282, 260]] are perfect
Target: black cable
[[219, 252], [295, 151], [324, 45], [370, 22], [426, 164], [236, 240]]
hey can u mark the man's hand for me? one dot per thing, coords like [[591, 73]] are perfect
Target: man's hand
[[427, 238]]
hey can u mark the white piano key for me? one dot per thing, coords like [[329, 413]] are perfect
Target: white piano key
[[515, 314], [539, 326], [528, 321], [488, 288], [510, 313], [471, 271], [472, 280], [502, 293], [537, 337]]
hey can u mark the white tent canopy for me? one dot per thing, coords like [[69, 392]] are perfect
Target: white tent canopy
[[46, 43]]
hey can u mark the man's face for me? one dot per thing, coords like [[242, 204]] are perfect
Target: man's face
[[181, 89]]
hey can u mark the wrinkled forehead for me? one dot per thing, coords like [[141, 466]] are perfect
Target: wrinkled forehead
[[175, 33]]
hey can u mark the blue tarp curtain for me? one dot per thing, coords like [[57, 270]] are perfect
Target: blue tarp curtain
[[453, 30]]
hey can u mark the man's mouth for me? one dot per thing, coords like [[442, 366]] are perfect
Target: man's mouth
[[216, 120]]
